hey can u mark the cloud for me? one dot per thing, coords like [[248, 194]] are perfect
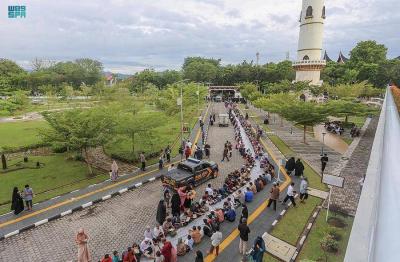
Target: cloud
[[132, 35]]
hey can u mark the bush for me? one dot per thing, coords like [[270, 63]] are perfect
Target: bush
[[329, 244], [78, 157], [335, 234], [58, 148]]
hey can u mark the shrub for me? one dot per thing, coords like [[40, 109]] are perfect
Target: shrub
[[56, 148], [335, 234], [329, 244]]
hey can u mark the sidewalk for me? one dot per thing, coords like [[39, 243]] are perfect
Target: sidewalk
[[293, 137], [76, 200]]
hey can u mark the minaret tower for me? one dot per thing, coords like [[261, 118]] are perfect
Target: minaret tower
[[309, 63]]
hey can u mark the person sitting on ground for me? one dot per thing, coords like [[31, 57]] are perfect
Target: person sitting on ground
[[207, 229], [148, 233], [129, 256], [159, 257], [248, 196], [268, 177], [209, 190], [195, 234], [180, 248], [230, 215], [136, 251], [189, 243], [115, 257], [158, 232], [220, 215], [238, 197], [147, 248], [107, 258], [168, 226]]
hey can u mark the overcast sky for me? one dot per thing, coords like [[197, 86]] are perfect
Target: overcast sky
[[130, 35]]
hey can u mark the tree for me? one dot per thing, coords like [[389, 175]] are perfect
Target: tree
[[305, 114], [132, 125], [275, 103], [201, 71], [367, 52], [344, 108], [249, 91], [79, 130]]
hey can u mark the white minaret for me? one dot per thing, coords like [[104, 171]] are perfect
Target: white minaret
[[309, 63]]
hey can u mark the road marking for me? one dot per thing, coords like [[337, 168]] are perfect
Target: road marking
[[275, 222], [138, 184], [10, 222], [11, 234], [283, 212], [6, 214], [41, 222], [106, 197], [295, 255], [66, 213], [303, 238], [152, 179], [55, 197], [87, 205], [232, 236], [123, 190]]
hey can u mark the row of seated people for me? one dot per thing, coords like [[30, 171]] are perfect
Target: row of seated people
[[334, 127]]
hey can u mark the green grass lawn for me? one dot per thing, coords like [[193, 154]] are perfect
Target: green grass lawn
[[269, 258], [166, 134], [18, 134], [56, 172], [294, 221], [312, 250]]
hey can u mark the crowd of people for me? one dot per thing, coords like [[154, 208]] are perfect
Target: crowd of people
[[179, 208], [334, 127]]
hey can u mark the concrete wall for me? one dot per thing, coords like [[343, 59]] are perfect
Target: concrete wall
[[375, 235]]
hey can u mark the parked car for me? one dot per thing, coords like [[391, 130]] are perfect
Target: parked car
[[190, 172]]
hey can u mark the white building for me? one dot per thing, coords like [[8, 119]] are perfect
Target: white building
[[309, 63]]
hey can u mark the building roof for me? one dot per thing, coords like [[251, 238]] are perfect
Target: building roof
[[326, 57], [342, 59]]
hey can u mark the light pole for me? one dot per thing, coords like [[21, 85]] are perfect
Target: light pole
[[198, 98], [180, 103], [323, 143]]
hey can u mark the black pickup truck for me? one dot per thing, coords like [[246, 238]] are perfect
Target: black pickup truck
[[190, 172]]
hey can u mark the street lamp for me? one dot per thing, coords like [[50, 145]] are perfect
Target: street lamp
[[180, 103], [323, 143]]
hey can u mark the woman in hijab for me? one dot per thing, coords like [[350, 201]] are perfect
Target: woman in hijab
[[199, 256], [83, 250], [299, 168], [258, 249], [114, 171], [290, 165], [161, 212], [17, 203], [176, 205]]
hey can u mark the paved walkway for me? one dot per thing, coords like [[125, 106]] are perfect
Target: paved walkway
[[293, 137], [113, 224], [347, 198]]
